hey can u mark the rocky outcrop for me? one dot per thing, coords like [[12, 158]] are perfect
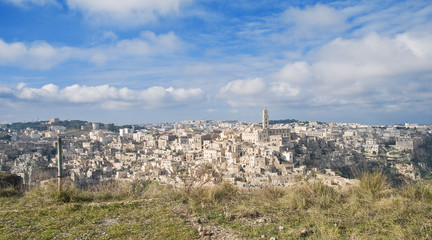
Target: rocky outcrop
[[10, 180]]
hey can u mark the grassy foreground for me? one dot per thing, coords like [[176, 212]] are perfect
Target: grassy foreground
[[146, 210]]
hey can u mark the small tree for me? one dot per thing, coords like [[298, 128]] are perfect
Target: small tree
[[194, 177]]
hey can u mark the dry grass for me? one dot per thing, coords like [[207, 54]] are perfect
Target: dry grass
[[10, 192], [418, 191], [373, 186], [312, 210]]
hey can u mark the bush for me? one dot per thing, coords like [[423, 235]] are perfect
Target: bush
[[272, 193], [306, 195], [419, 191], [373, 185], [109, 190], [139, 187], [69, 193], [10, 192], [215, 194], [224, 192]]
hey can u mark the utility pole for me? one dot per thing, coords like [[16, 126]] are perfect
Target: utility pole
[[59, 162]]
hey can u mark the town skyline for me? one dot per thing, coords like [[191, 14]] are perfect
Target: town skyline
[[37, 120], [202, 152], [167, 61]]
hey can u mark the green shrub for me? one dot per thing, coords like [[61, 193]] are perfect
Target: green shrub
[[69, 193], [139, 187]]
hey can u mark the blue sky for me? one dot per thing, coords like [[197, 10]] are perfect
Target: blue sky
[[135, 61]]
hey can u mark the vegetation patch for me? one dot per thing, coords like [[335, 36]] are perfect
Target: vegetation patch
[[147, 210]]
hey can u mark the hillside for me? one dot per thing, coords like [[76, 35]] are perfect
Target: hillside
[[146, 210]]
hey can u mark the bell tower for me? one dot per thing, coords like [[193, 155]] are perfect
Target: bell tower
[[265, 119]]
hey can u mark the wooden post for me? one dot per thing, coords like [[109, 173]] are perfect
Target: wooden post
[[59, 162]]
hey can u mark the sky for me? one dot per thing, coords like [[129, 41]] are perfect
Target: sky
[[148, 61]]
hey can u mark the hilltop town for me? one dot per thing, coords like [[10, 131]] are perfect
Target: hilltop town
[[197, 153]]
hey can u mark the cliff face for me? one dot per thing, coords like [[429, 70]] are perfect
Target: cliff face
[[423, 154], [322, 154], [10, 180]]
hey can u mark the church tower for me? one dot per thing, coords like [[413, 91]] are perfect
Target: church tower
[[265, 119]]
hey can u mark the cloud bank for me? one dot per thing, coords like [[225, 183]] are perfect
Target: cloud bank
[[330, 57], [22, 3], [315, 20], [126, 12], [105, 96], [375, 72], [43, 56]]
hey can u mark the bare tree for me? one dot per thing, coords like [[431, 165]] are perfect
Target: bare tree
[[194, 177]]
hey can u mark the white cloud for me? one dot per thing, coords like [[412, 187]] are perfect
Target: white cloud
[[38, 55], [41, 55], [246, 87], [126, 12], [35, 2], [373, 57], [20, 86], [284, 90], [11, 52], [298, 72], [49, 91], [374, 72], [5, 91], [105, 96], [88, 94], [389, 18], [257, 92], [244, 92], [116, 105], [195, 69], [148, 43], [182, 94], [109, 35], [315, 20]]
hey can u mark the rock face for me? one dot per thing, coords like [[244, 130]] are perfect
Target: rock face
[[10, 180]]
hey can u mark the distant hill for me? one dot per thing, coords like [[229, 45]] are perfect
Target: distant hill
[[69, 124], [43, 125], [283, 121], [23, 125]]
